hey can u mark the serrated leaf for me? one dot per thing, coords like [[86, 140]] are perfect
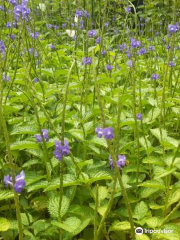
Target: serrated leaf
[[102, 193], [77, 134], [157, 133], [20, 145], [174, 197], [4, 224], [156, 183], [153, 222], [53, 206], [120, 226], [6, 194], [146, 192], [23, 130], [140, 211]]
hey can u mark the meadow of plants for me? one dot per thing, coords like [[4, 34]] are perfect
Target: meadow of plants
[[89, 120]]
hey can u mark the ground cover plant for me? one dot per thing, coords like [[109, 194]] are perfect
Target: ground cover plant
[[89, 120]]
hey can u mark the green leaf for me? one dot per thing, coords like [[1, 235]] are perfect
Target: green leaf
[[140, 211], [53, 206], [20, 145], [24, 130], [156, 183], [157, 133], [77, 134], [72, 225], [6, 194], [153, 222], [4, 224], [120, 226], [174, 197], [102, 192]]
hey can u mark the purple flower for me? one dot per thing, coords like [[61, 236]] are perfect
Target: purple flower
[[19, 185], [86, 14], [35, 35], [98, 40], [61, 150], [109, 67], [154, 76], [103, 52], [151, 48], [141, 51], [8, 25], [79, 13], [92, 33], [86, 61], [135, 43], [19, 182], [139, 116], [7, 180], [45, 135], [35, 80], [99, 131], [128, 9], [106, 24], [129, 63], [173, 28], [6, 78], [52, 47], [108, 133], [13, 2], [171, 64], [49, 25], [120, 162]]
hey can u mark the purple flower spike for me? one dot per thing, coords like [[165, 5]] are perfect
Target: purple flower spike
[[120, 162], [86, 61], [99, 131], [154, 76], [45, 135], [98, 40], [19, 185], [61, 150], [7, 180], [108, 133], [139, 116], [92, 33], [173, 28], [21, 176], [128, 9], [171, 64], [58, 155], [109, 68]]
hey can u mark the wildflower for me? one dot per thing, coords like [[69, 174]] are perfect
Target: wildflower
[[86, 61], [13, 2], [52, 47], [86, 14], [106, 24], [151, 48], [128, 9], [98, 40], [103, 52], [92, 33], [35, 35], [19, 182], [6, 78], [129, 63], [120, 162], [79, 13], [154, 76], [61, 150], [141, 51], [109, 67], [108, 133], [99, 131], [173, 28], [139, 116], [135, 43], [45, 135], [171, 64], [35, 80]]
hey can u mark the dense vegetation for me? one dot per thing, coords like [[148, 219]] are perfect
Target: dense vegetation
[[89, 119]]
